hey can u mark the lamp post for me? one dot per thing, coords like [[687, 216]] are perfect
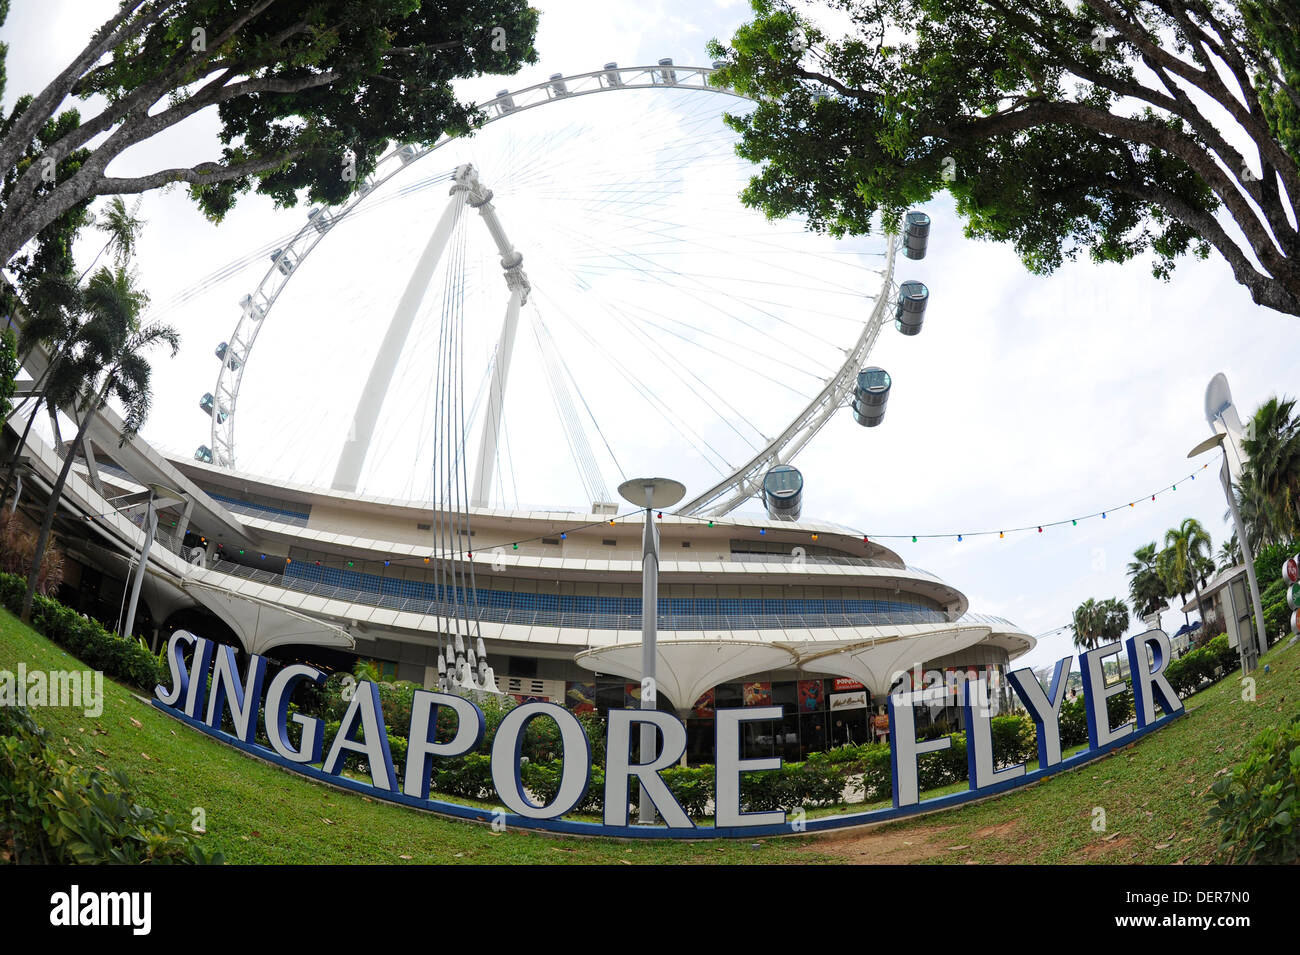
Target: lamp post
[[1221, 414], [652, 494], [155, 492]]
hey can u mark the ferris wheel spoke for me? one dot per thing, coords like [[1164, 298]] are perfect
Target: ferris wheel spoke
[[679, 425], [718, 396]]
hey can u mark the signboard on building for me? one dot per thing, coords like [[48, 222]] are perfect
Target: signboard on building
[[848, 701]]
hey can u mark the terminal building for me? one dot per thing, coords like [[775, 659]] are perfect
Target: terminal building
[[807, 615]]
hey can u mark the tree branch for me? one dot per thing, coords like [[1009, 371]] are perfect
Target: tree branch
[[112, 33], [204, 174], [1264, 289]]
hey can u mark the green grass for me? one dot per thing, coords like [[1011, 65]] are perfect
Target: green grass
[[257, 812], [1152, 792]]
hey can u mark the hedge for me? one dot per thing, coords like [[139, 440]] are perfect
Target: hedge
[[121, 658], [1208, 663]]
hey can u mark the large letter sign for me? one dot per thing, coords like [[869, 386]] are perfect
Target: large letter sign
[[1044, 708], [1096, 693], [208, 692]]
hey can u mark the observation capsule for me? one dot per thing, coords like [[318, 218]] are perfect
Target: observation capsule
[[870, 395], [916, 234], [558, 85], [505, 102], [612, 76], [783, 492], [320, 219], [204, 454], [208, 405], [667, 75], [913, 297], [229, 357], [283, 260], [254, 310]]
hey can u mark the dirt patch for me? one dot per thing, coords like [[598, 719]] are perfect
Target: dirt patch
[[1001, 830], [1102, 848], [889, 846]]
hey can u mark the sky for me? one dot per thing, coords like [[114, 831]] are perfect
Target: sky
[[1024, 401]]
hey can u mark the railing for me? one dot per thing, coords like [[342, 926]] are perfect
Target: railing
[[846, 560], [262, 512], [583, 621]]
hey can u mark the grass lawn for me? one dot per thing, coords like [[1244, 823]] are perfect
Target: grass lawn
[[1152, 794]]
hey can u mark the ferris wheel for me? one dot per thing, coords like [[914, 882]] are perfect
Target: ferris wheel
[[652, 295]]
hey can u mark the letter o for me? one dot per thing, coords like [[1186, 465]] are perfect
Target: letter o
[[506, 747]]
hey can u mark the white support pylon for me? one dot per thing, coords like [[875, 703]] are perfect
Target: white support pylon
[[467, 189]]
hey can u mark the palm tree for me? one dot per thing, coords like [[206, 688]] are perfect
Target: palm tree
[[54, 316], [123, 227], [1096, 623], [1229, 553], [1146, 589], [1270, 481], [1187, 550], [109, 363]]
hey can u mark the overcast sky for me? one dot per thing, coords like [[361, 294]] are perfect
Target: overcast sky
[[1024, 401]]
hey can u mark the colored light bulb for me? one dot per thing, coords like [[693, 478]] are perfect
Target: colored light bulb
[[1001, 535], [1040, 530]]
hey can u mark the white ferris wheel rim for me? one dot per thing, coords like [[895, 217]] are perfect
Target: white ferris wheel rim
[[722, 497]]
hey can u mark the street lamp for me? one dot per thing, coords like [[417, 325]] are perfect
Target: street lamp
[[1221, 414], [652, 494]]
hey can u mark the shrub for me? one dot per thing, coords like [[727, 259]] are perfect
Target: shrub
[[1211, 662], [1015, 739], [1256, 805], [1120, 708], [18, 549], [122, 658], [693, 786], [55, 813], [543, 781], [1074, 723], [355, 761], [469, 777]]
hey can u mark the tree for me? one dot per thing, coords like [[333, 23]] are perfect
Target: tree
[[308, 93], [1146, 589], [1098, 623], [1270, 480], [1111, 126], [109, 363], [1187, 550], [123, 227], [54, 313], [8, 371], [1229, 553]]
